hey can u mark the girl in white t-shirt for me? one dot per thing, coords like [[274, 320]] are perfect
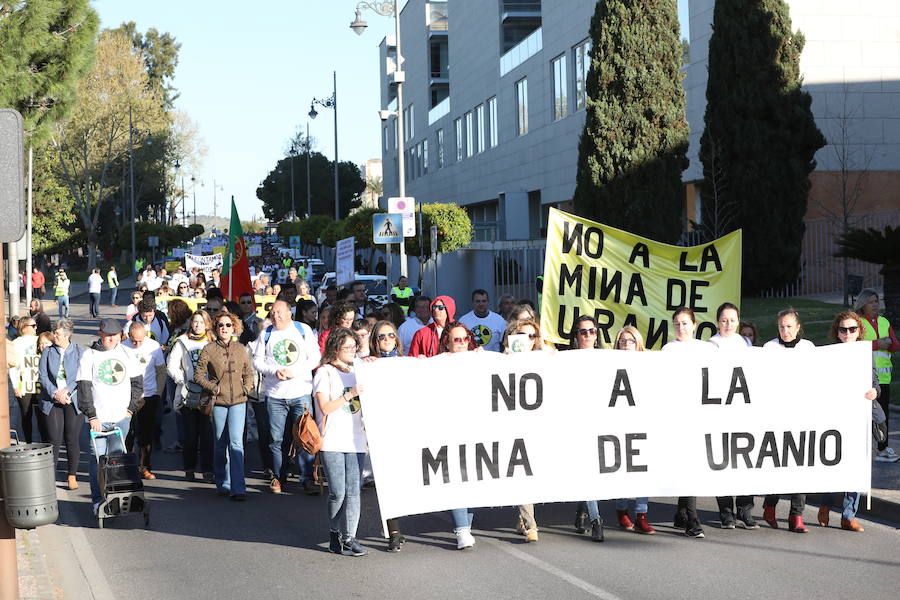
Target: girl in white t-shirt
[[343, 438]]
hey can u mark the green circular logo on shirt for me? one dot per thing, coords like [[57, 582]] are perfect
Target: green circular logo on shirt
[[482, 335], [111, 372], [286, 352], [353, 406]]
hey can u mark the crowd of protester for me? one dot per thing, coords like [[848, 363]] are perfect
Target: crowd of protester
[[225, 371]]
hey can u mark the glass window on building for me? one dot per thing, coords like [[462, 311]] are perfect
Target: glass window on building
[[425, 156], [439, 148], [492, 118], [522, 106], [385, 139], [458, 130], [479, 126], [408, 122], [394, 127], [485, 224], [470, 139], [582, 54], [560, 83]]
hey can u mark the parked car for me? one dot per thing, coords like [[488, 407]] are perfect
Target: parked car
[[376, 285]]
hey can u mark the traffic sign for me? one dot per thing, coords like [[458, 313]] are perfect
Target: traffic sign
[[405, 206], [387, 229], [153, 241], [294, 241]]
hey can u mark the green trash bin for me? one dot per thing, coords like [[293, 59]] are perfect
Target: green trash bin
[[28, 485]]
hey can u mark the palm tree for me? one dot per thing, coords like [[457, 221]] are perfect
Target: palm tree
[[881, 248]]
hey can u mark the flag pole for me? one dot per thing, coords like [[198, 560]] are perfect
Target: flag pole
[[230, 250]]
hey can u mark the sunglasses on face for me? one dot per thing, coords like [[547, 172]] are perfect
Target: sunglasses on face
[[386, 336], [460, 340], [438, 307], [589, 331], [851, 329], [224, 325]]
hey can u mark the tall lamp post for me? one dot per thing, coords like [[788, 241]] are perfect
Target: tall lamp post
[[330, 103], [385, 9], [308, 192], [131, 185]]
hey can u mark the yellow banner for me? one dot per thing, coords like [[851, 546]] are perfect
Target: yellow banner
[[172, 265], [624, 279], [263, 304], [219, 250]]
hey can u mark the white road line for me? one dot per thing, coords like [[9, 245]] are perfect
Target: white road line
[[545, 566], [83, 552]]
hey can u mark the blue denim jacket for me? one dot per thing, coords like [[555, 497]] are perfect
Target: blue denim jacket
[[49, 367]]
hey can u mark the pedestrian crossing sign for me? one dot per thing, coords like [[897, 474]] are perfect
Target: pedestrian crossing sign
[[387, 228]]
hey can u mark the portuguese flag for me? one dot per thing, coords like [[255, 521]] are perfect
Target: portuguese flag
[[235, 270]]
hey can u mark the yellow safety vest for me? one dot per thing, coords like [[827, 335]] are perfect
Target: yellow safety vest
[[882, 357], [402, 295]]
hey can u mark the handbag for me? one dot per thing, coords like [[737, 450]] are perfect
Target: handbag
[[194, 392], [306, 433]]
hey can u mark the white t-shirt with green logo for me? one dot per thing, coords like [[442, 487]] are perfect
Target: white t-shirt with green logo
[[110, 374], [150, 357], [286, 349], [344, 431], [487, 330]]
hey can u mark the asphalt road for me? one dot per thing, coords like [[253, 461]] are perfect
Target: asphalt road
[[200, 545]]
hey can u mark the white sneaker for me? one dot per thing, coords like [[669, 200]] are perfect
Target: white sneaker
[[464, 538], [887, 455], [96, 508]]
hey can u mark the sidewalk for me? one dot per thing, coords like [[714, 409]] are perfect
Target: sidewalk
[[886, 480]]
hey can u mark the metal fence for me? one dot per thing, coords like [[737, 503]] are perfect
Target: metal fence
[[821, 272], [516, 266]]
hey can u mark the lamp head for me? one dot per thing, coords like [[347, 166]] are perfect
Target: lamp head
[[358, 25], [312, 112]]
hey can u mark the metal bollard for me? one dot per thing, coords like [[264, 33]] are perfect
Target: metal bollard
[[28, 486]]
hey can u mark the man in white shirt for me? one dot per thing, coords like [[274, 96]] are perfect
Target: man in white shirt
[[285, 354], [155, 327], [95, 283], [420, 318], [149, 355], [486, 326], [110, 387]]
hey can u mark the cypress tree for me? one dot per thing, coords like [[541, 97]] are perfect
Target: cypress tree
[[760, 138], [46, 47], [632, 150]]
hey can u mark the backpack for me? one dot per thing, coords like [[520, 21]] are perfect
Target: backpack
[[269, 329]]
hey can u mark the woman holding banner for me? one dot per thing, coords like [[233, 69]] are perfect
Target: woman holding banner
[[789, 336], [456, 338], [684, 324], [847, 328], [728, 339]]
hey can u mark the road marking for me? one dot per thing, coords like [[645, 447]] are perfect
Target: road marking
[[551, 569], [83, 552]]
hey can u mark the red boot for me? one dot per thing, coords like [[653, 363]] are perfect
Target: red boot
[[624, 520], [641, 525], [769, 516], [796, 525]]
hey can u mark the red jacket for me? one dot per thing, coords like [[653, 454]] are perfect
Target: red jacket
[[37, 280], [426, 341]]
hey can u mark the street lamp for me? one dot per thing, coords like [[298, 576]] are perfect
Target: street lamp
[[308, 192], [148, 141], [330, 103], [386, 9]]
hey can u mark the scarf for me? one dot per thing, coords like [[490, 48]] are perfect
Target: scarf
[[196, 338], [389, 354], [789, 344]]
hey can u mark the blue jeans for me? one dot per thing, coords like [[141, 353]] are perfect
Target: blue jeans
[[593, 510], [95, 303], [63, 303], [342, 471], [640, 504], [280, 410], [848, 500], [105, 445], [228, 456], [113, 292], [462, 518]]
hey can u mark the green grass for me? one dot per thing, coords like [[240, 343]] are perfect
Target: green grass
[[122, 268], [816, 318]]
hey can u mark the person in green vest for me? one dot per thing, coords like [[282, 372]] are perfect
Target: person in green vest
[[402, 295], [61, 291], [877, 329], [112, 279], [301, 271]]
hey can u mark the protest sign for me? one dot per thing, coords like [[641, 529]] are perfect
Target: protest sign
[[344, 262], [172, 265], [486, 429], [624, 279], [205, 263], [263, 304], [254, 250], [178, 252]]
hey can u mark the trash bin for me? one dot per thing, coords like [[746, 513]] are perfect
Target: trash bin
[[28, 485]]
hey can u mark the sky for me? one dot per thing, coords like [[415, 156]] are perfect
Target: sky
[[247, 73]]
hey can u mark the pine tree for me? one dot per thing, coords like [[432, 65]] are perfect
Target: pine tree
[[46, 47], [761, 135], [632, 150]]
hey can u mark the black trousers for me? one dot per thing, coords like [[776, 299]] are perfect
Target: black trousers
[[143, 427], [264, 433], [198, 437], [885, 401], [798, 503], [688, 504], [727, 504], [63, 423], [28, 408]]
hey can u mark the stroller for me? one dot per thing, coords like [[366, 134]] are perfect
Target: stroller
[[119, 480]]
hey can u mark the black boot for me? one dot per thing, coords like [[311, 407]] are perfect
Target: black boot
[[597, 529], [581, 518]]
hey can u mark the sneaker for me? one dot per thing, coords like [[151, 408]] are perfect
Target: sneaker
[[727, 521], [95, 508], [334, 545], [887, 455], [275, 486], [597, 530], [395, 541], [580, 518], [531, 535], [464, 539], [695, 532], [747, 520], [351, 547]]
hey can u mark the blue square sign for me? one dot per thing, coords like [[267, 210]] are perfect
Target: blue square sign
[[387, 228]]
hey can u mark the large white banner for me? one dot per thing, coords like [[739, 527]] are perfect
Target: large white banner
[[205, 263], [485, 429]]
